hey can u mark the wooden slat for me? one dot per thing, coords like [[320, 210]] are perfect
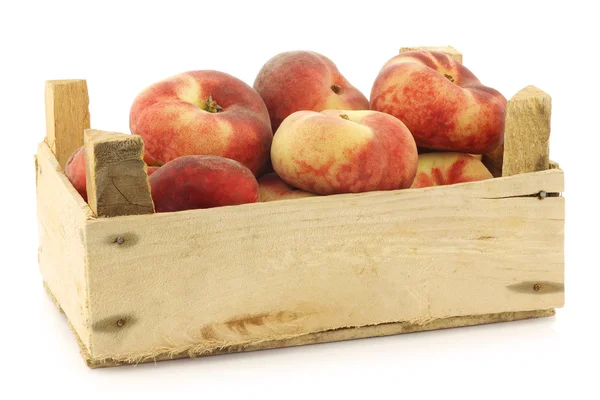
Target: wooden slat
[[61, 214], [276, 271], [335, 335], [67, 115], [448, 50], [116, 177], [527, 132]]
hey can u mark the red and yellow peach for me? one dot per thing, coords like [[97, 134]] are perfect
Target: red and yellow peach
[[344, 151], [272, 188], [305, 80], [193, 182], [436, 169], [442, 103], [203, 113]]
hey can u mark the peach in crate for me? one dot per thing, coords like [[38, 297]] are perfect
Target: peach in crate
[[140, 286]]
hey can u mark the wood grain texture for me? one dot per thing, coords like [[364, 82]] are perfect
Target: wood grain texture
[[116, 174], [448, 50], [62, 214], [67, 115], [335, 335], [527, 132], [203, 280]]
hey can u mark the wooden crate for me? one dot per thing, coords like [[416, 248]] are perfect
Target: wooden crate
[[138, 288]]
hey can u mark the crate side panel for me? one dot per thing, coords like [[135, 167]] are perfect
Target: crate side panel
[[204, 279], [335, 335], [61, 216]]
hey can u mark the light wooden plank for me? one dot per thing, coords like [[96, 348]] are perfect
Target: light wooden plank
[[527, 132], [276, 271], [335, 335], [116, 174], [448, 50], [67, 115], [61, 216]]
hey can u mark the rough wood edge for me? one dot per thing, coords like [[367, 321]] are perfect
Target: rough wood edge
[[55, 301], [116, 175], [523, 185], [448, 50], [67, 115], [528, 120], [527, 132], [335, 335]]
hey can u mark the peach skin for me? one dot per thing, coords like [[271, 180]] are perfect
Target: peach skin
[[305, 80], [75, 171], [436, 169], [272, 188], [152, 169], [193, 182], [203, 113], [344, 152], [442, 103], [151, 162]]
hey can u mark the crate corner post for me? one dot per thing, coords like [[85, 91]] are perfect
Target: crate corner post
[[527, 132], [116, 174], [67, 116], [61, 211]]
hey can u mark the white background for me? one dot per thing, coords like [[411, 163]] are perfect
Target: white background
[[120, 47]]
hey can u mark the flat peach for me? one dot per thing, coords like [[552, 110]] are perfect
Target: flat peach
[[344, 152], [193, 182], [305, 80], [436, 169], [272, 188], [442, 103], [203, 113]]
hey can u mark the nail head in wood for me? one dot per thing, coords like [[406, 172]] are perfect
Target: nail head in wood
[[120, 322], [537, 287], [120, 240], [542, 195]]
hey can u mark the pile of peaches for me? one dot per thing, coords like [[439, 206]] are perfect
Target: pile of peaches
[[303, 130]]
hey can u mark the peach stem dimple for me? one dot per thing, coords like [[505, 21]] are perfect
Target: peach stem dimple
[[212, 106], [337, 89]]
